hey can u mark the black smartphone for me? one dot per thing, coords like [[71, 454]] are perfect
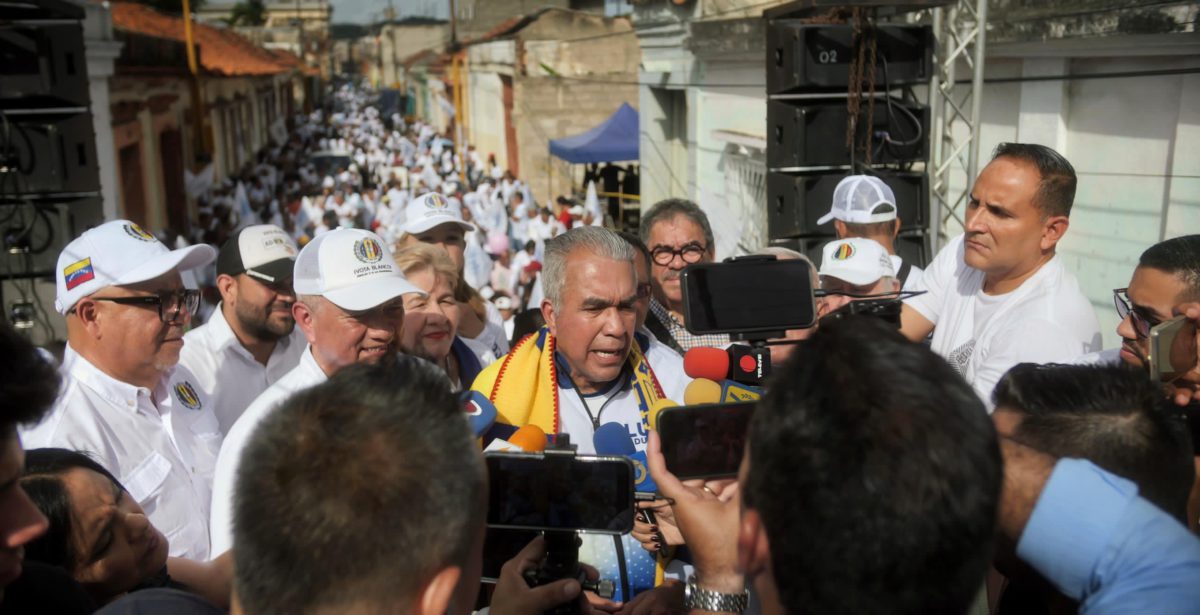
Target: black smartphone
[[501, 545], [704, 441], [887, 310], [584, 493], [748, 295]]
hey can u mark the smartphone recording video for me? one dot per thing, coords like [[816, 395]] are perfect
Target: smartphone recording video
[[748, 295], [704, 441], [1172, 349], [590, 494]]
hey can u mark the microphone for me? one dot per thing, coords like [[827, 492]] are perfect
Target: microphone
[[745, 364], [527, 439], [613, 439], [703, 391], [481, 412]]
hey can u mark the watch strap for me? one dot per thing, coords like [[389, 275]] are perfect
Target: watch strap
[[698, 598]]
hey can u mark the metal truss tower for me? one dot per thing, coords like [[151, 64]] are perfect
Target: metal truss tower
[[955, 98]]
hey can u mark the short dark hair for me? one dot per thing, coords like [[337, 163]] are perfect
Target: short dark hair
[[42, 481], [877, 498], [1056, 192], [1111, 415], [1179, 256], [637, 244], [356, 491], [667, 209], [29, 379], [871, 229]]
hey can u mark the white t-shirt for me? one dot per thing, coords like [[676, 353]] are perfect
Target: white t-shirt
[[914, 275], [1045, 320], [303, 376]]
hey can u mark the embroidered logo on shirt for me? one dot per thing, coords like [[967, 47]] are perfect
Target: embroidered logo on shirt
[[135, 231], [78, 272], [187, 395], [368, 250], [843, 252]]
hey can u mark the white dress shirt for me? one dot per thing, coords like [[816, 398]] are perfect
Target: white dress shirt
[[228, 373], [162, 444], [303, 376]]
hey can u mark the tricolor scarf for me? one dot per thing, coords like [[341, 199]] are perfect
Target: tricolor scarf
[[524, 384]]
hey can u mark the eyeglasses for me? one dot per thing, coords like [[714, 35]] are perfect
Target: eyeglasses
[[170, 305], [690, 253], [1125, 309]]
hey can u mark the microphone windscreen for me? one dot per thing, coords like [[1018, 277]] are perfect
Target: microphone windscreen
[[705, 362], [613, 439], [702, 391], [659, 406], [530, 438], [481, 412]]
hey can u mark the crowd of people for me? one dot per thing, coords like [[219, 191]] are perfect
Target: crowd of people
[[304, 448]]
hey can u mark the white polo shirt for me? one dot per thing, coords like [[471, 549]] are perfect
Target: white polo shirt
[[228, 373], [306, 374], [161, 444]]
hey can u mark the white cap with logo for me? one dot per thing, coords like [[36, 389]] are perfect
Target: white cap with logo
[[352, 268], [856, 260], [861, 199], [431, 209], [118, 253]]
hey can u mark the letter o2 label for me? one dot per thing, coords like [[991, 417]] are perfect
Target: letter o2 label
[[827, 56]]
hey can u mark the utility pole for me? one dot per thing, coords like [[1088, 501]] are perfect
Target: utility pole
[[453, 27]]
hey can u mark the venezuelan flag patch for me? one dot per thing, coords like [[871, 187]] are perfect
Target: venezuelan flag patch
[[78, 272]]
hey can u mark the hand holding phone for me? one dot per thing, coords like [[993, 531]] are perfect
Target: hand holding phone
[[1177, 344]]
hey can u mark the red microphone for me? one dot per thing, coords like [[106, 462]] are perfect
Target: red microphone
[[704, 362]]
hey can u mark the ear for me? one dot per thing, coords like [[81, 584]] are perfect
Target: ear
[[1053, 230], [88, 311], [304, 315], [754, 550], [435, 596], [839, 228], [896, 227], [549, 316], [227, 286]]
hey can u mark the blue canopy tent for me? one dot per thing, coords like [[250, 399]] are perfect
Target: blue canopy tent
[[614, 140]]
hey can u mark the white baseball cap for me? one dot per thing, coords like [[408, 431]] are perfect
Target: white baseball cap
[[856, 260], [262, 251], [431, 209], [118, 253], [861, 199], [352, 268]]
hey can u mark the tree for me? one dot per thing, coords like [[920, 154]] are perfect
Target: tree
[[248, 13]]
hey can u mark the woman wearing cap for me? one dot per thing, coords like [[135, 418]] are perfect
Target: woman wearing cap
[[431, 321], [431, 219]]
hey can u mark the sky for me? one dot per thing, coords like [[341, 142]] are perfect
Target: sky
[[368, 11]]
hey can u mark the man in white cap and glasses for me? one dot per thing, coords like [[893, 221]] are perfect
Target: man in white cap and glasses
[[251, 341], [856, 267], [864, 206], [124, 399], [350, 307]]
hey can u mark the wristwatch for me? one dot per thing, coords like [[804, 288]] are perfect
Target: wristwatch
[[698, 598]]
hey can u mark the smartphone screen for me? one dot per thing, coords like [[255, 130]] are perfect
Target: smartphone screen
[[747, 296], [704, 441], [1172, 349], [549, 492]]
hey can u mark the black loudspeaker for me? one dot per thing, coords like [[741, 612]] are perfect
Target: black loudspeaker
[[812, 133], [913, 247], [44, 66], [809, 58], [51, 152], [33, 232], [795, 201]]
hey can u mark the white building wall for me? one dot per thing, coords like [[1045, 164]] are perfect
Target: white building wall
[[486, 107]]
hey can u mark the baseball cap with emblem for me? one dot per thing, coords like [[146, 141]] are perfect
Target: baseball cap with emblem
[[431, 209], [856, 260], [118, 253], [263, 251], [861, 199], [352, 268]]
